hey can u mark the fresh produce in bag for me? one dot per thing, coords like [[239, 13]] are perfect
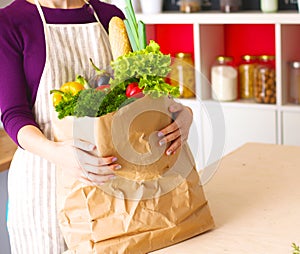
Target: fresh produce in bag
[[155, 200]]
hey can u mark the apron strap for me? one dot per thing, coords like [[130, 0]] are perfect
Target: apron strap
[[40, 11], [93, 10]]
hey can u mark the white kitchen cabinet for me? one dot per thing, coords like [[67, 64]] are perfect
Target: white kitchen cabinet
[[222, 127], [291, 128], [195, 133], [240, 125]]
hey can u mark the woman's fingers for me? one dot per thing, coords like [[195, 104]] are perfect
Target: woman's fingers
[[171, 135], [102, 170], [95, 170], [84, 145], [177, 132], [90, 159], [176, 107]]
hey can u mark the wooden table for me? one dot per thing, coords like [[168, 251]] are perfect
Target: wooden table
[[255, 200], [7, 149]]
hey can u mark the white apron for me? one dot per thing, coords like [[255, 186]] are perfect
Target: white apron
[[32, 214]]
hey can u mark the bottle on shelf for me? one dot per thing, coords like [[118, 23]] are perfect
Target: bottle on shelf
[[224, 79], [269, 5], [151, 7], [294, 82], [183, 74], [230, 5], [265, 80], [246, 76], [189, 6], [170, 5]]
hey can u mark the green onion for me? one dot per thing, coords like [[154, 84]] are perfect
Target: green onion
[[142, 35], [136, 30], [133, 43], [132, 26], [131, 12]]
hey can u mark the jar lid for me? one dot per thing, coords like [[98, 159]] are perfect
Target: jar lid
[[248, 57], [295, 64], [183, 55], [266, 57], [223, 59]]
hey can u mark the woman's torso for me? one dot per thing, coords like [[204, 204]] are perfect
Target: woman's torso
[[23, 53]]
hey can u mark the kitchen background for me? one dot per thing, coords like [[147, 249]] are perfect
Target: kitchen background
[[169, 5]]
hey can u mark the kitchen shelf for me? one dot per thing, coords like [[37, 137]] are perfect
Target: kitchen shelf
[[212, 33], [242, 104], [215, 17], [290, 107]]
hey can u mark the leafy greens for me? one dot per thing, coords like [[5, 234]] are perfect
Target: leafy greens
[[92, 103], [149, 66]]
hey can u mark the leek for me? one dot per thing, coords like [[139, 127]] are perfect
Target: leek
[[136, 30]]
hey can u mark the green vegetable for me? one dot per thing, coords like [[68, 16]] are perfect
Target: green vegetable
[[136, 30], [92, 102], [296, 249], [149, 67], [66, 106], [134, 44], [80, 79], [142, 35]]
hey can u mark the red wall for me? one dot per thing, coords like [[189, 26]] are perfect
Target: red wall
[[173, 38], [249, 39], [239, 39]]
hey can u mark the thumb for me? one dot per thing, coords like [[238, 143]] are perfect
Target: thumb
[[175, 107], [84, 145]]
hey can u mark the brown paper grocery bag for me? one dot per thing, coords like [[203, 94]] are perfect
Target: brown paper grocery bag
[[155, 200]]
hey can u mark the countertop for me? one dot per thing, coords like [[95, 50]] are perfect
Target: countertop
[[254, 197], [7, 150]]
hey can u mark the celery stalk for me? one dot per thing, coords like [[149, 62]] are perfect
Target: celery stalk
[[131, 12], [133, 43], [142, 35], [133, 27]]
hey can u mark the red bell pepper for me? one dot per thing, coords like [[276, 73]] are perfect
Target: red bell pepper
[[133, 91]]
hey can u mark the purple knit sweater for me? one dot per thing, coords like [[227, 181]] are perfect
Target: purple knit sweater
[[23, 52]]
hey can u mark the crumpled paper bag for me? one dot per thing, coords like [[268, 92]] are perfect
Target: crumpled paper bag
[[155, 201]]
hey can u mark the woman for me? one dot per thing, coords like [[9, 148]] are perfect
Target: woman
[[42, 45]]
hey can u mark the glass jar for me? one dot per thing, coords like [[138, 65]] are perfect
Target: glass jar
[[246, 76], [189, 6], [224, 79], [230, 5], [183, 74], [265, 80], [294, 82], [269, 5], [171, 5]]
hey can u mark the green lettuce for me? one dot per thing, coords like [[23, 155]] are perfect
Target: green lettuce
[[149, 67]]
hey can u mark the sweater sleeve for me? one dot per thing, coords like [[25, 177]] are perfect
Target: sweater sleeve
[[16, 111]]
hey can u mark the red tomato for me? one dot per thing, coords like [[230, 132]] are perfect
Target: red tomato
[[134, 91]]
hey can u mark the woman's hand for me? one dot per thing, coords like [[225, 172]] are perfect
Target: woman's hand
[[74, 156], [177, 132], [79, 162]]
